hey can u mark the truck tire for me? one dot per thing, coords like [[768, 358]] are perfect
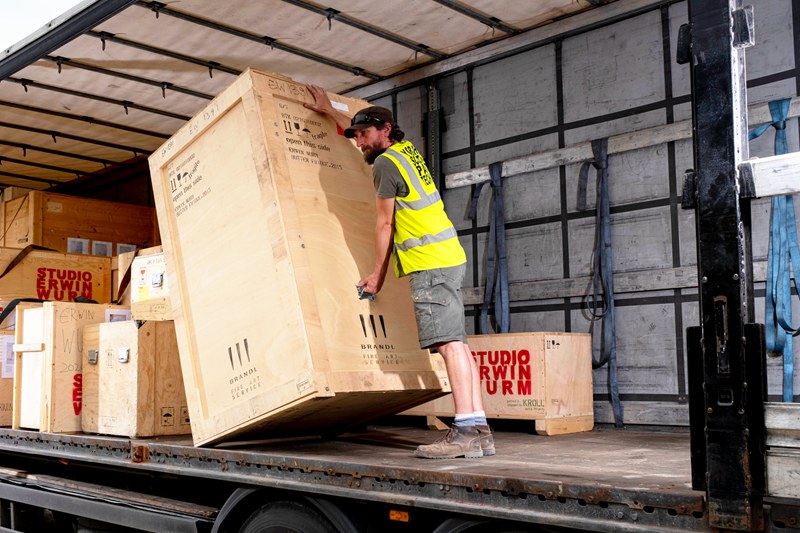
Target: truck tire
[[286, 517]]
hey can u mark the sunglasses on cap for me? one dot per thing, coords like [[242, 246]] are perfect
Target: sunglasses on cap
[[363, 118]]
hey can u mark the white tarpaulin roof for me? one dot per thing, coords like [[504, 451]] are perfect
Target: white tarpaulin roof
[[111, 80]]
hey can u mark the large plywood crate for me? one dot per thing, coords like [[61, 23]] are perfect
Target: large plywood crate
[[545, 377], [267, 218], [132, 384], [48, 379], [78, 225]]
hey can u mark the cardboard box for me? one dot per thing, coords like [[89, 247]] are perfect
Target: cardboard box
[[132, 384], [70, 224], [267, 217], [149, 286], [48, 379], [546, 377]]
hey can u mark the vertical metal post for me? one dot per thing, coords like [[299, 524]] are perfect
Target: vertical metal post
[[433, 156], [726, 409]]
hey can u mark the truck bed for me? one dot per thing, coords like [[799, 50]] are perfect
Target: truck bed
[[602, 480]]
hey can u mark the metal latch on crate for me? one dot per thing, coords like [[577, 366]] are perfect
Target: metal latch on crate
[[157, 279], [93, 355], [123, 354]]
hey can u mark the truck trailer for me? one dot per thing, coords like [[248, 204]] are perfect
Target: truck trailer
[[676, 256]]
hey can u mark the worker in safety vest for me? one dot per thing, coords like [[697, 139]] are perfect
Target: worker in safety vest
[[413, 224]]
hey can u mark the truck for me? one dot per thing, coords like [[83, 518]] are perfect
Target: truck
[[673, 272]]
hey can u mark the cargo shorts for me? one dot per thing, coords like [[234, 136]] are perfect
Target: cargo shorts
[[438, 305]]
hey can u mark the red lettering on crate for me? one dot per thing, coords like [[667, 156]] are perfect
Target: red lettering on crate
[[77, 393], [505, 372], [63, 284]]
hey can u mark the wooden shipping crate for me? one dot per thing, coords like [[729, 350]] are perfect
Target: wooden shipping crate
[[53, 276], [149, 286], [132, 384], [9, 193], [546, 377], [70, 224], [6, 377], [123, 282], [48, 381], [267, 217]]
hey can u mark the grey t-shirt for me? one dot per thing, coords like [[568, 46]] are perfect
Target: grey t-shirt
[[389, 183]]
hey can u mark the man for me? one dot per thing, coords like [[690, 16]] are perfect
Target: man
[[412, 223]]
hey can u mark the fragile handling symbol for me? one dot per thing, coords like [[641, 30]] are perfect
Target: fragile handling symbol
[[239, 353], [167, 416]]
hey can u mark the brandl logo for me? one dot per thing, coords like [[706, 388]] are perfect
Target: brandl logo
[[238, 357], [373, 325]]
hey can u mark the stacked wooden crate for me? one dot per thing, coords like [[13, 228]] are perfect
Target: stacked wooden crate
[[267, 217], [44, 275], [149, 286], [48, 378], [76, 225], [49, 275], [132, 383], [43, 385]]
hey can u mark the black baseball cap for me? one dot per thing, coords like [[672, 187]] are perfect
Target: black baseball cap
[[370, 116]]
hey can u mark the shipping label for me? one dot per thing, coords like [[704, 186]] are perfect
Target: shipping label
[[7, 349]]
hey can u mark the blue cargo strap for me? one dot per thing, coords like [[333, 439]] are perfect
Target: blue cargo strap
[[782, 251], [496, 284], [600, 303]]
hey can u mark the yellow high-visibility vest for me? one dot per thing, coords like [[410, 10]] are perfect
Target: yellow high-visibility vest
[[424, 237]]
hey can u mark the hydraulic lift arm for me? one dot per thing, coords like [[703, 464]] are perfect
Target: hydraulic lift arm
[[727, 351]]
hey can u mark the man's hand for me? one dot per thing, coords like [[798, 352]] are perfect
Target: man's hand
[[372, 284], [322, 104]]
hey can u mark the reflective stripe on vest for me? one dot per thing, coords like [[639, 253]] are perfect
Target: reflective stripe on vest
[[424, 236], [442, 236]]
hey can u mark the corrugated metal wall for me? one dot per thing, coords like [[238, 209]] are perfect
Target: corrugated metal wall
[[606, 80]]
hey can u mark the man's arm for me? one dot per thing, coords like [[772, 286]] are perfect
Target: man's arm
[[322, 104], [384, 236]]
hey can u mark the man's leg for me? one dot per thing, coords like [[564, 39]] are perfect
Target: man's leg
[[463, 439], [485, 432], [440, 321], [462, 373]]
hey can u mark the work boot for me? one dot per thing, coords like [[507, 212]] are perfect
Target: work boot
[[487, 440], [457, 442]]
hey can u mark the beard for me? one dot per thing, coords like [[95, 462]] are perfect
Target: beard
[[371, 153]]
